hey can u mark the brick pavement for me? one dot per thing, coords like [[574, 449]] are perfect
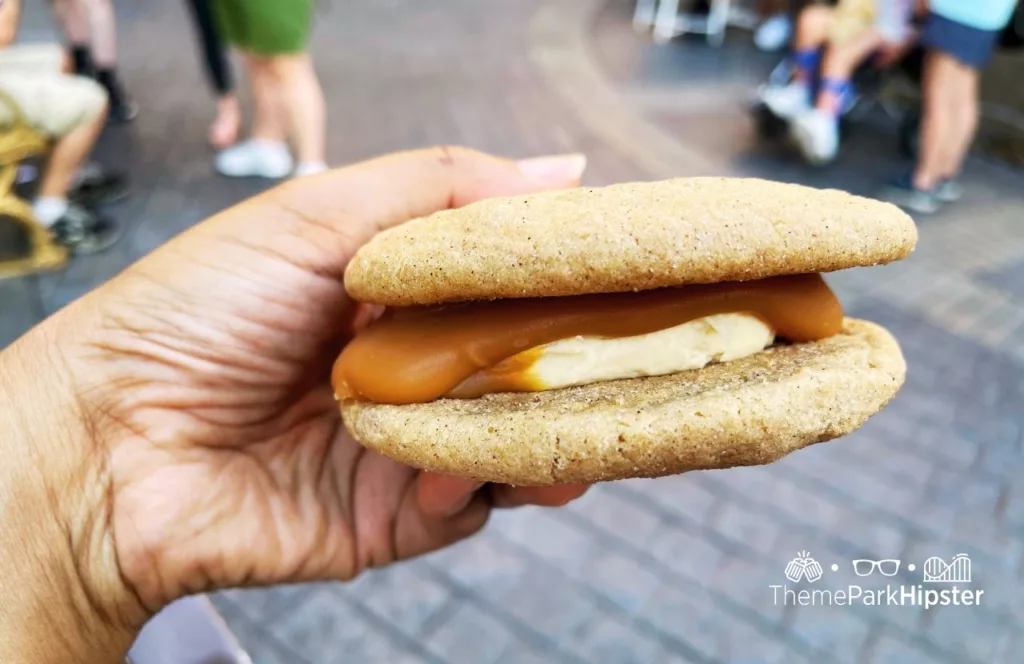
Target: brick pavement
[[671, 570]]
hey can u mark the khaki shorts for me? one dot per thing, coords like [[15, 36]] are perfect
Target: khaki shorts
[[852, 17], [53, 102]]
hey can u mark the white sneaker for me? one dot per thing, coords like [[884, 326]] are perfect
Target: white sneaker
[[817, 134], [774, 33], [304, 168], [787, 101], [255, 158]]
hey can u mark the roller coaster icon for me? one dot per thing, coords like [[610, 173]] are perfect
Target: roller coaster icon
[[957, 570]]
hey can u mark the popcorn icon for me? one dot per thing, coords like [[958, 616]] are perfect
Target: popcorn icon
[[803, 567]]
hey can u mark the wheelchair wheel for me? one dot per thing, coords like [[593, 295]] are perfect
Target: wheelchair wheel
[[768, 125], [910, 130]]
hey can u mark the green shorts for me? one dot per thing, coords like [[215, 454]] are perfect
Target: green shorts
[[265, 27]]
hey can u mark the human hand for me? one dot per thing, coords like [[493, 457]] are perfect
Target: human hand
[[200, 374]]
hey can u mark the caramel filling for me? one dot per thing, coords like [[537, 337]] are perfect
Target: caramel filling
[[418, 354]]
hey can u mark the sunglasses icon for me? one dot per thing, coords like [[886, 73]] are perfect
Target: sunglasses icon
[[865, 567]]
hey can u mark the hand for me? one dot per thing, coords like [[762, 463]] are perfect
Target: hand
[[201, 377]]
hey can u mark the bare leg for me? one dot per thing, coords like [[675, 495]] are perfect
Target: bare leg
[[68, 155], [812, 26], [224, 130], [266, 153], [269, 122], [72, 21], [841, 61], [304, 105], [965, 83], [939, 123], [102, 31], [794, 98]]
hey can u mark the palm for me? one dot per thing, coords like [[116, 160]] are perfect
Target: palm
[[258, 449]]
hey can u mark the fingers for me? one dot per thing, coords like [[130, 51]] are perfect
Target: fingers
[[444, 495], [545, 496], [418, 532], [365, 314], [429, 512], [341, 209]]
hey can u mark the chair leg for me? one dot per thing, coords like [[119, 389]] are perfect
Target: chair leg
[[718, 21], [44, 253], [665, 21], [643, 15]]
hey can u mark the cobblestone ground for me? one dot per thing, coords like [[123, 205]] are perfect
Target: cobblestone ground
[[676, 569]]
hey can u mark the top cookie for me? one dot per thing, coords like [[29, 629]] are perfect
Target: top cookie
[[625, 237]]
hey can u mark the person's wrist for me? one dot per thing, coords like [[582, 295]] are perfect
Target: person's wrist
[[62, 593]]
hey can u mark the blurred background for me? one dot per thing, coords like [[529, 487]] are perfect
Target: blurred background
[[672, 570]]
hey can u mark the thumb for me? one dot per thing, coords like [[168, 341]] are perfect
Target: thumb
[[336, 212], [511, 178]]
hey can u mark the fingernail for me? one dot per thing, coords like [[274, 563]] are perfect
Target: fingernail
[[555, 168]]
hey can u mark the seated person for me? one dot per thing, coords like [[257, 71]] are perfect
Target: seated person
[[837, 40], [71, 110]]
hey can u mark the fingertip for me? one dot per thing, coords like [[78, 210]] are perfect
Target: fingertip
[[554, 170], [472, 517], [570, 492], [562, 494], [543, 496], [444, 495]]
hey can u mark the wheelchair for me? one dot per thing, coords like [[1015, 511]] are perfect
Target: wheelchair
[[868, 83]]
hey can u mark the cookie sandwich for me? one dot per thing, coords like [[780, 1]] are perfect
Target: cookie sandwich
[[634, 330]]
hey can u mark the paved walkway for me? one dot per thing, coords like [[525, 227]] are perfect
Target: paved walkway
[[677, 569]]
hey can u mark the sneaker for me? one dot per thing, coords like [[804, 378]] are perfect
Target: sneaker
[[95, 186], [787, 101], [84, 233], [123, 111], [305, 168], [122, 108], [774, 33], [255, 158], [817, 134], [949, 190], [902, 192]]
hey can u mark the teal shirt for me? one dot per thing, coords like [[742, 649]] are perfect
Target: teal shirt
[[980, 14]]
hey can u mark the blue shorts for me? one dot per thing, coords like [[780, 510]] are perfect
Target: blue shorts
[[971, 46]]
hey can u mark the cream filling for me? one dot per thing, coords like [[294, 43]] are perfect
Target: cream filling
[[583, 360]]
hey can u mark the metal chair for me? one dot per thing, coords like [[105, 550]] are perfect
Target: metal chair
[[664, 17], [20, 141]]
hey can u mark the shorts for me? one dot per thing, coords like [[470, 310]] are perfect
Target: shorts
[[970, 46], [891, 18], [851, 18], [265, 27], [980, 14], [52, 102]]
